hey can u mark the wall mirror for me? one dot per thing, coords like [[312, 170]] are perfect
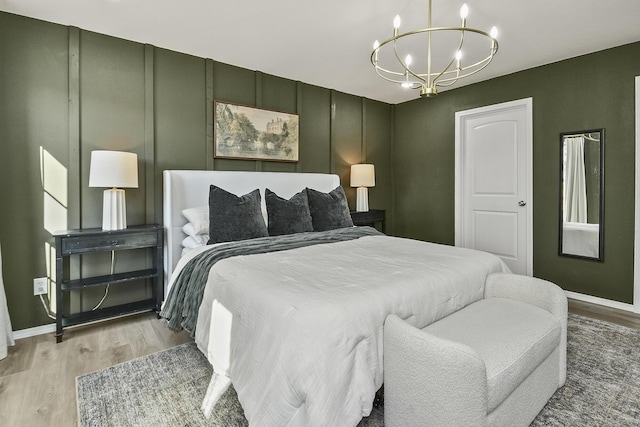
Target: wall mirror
[[582, 194]]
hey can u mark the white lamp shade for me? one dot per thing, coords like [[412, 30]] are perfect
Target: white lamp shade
[[113, 169], [363, 175]]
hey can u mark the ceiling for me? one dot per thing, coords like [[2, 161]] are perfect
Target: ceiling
[[328, 43]]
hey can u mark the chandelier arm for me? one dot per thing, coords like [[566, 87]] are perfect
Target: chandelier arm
[[413, 84], [445, 70], [384, 70], [417, 76], [451, 80], [388, 78], [486, 62], [400, 81], [401, 61], [380, 69], [482, 64]]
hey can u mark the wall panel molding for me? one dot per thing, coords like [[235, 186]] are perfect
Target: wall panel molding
[[391, 213], [149, 135], [73, 206], [299, 112], [332, 131], [74, 175], [363, 141], [258, 104], [209, 97]]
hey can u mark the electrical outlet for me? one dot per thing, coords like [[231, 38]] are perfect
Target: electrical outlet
[[40, 286]]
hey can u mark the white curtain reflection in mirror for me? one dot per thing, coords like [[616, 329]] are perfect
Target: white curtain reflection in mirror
[[575, 187]]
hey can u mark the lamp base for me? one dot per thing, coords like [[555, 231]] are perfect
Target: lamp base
[[114, 210], [362, 199]]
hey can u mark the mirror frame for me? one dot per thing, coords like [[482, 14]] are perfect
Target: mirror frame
[[600, 256]]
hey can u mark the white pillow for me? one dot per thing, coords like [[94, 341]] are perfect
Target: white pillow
[[196, 241], [199, 217], [199, 220], [189, 229]]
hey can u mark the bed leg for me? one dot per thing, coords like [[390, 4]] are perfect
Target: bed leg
[[378, 401]]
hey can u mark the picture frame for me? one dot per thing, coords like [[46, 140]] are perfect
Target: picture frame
[[251, 133]]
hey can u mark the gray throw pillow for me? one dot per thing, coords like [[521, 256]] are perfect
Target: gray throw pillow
[[234, 217], [329, 210], [288, 216]]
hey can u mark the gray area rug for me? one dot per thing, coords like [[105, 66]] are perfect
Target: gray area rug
[[166, 388], [603, 377]]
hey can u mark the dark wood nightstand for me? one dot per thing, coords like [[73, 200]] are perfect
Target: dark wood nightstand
[[78, 242], [370, 217]]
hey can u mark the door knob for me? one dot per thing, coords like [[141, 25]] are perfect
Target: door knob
[[522, 203]]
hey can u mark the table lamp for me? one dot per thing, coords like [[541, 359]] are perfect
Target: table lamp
[[362, 177], [113, 169]]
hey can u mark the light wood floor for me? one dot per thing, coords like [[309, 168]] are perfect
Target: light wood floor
[[621, 317], [37, 379]]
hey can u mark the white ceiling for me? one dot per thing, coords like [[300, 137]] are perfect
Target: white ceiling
[[328, 42]]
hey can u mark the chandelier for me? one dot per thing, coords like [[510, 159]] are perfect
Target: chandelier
[[429, 74]]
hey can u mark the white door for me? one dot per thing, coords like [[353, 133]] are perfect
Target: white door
[[494, 177]]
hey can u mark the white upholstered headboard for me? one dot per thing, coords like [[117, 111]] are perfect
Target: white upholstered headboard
[[190, 188]]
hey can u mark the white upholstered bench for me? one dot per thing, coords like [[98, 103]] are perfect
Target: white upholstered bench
[[495, 362]]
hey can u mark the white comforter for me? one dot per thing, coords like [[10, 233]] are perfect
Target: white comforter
[[299, 332]]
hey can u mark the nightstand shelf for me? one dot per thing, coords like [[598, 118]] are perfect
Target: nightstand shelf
[[107, 313], [72, 285], [80, 242]]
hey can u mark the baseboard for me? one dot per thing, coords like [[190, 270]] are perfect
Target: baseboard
[[32, 332], [600, 301], [51, 327]]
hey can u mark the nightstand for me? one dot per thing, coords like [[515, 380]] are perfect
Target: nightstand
[[370, 217], [78, 242]]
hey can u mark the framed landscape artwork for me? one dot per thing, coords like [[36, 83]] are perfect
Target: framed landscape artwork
[[242, 132]]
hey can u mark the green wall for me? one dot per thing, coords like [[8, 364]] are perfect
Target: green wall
[[587, 92], [66, 92]]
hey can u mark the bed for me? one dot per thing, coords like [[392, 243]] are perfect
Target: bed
[[298, 332]]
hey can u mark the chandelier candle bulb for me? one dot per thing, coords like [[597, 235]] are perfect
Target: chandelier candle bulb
[[396, 25], [464, 11]]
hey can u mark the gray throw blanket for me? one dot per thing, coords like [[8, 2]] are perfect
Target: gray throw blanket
[[184, 299]]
